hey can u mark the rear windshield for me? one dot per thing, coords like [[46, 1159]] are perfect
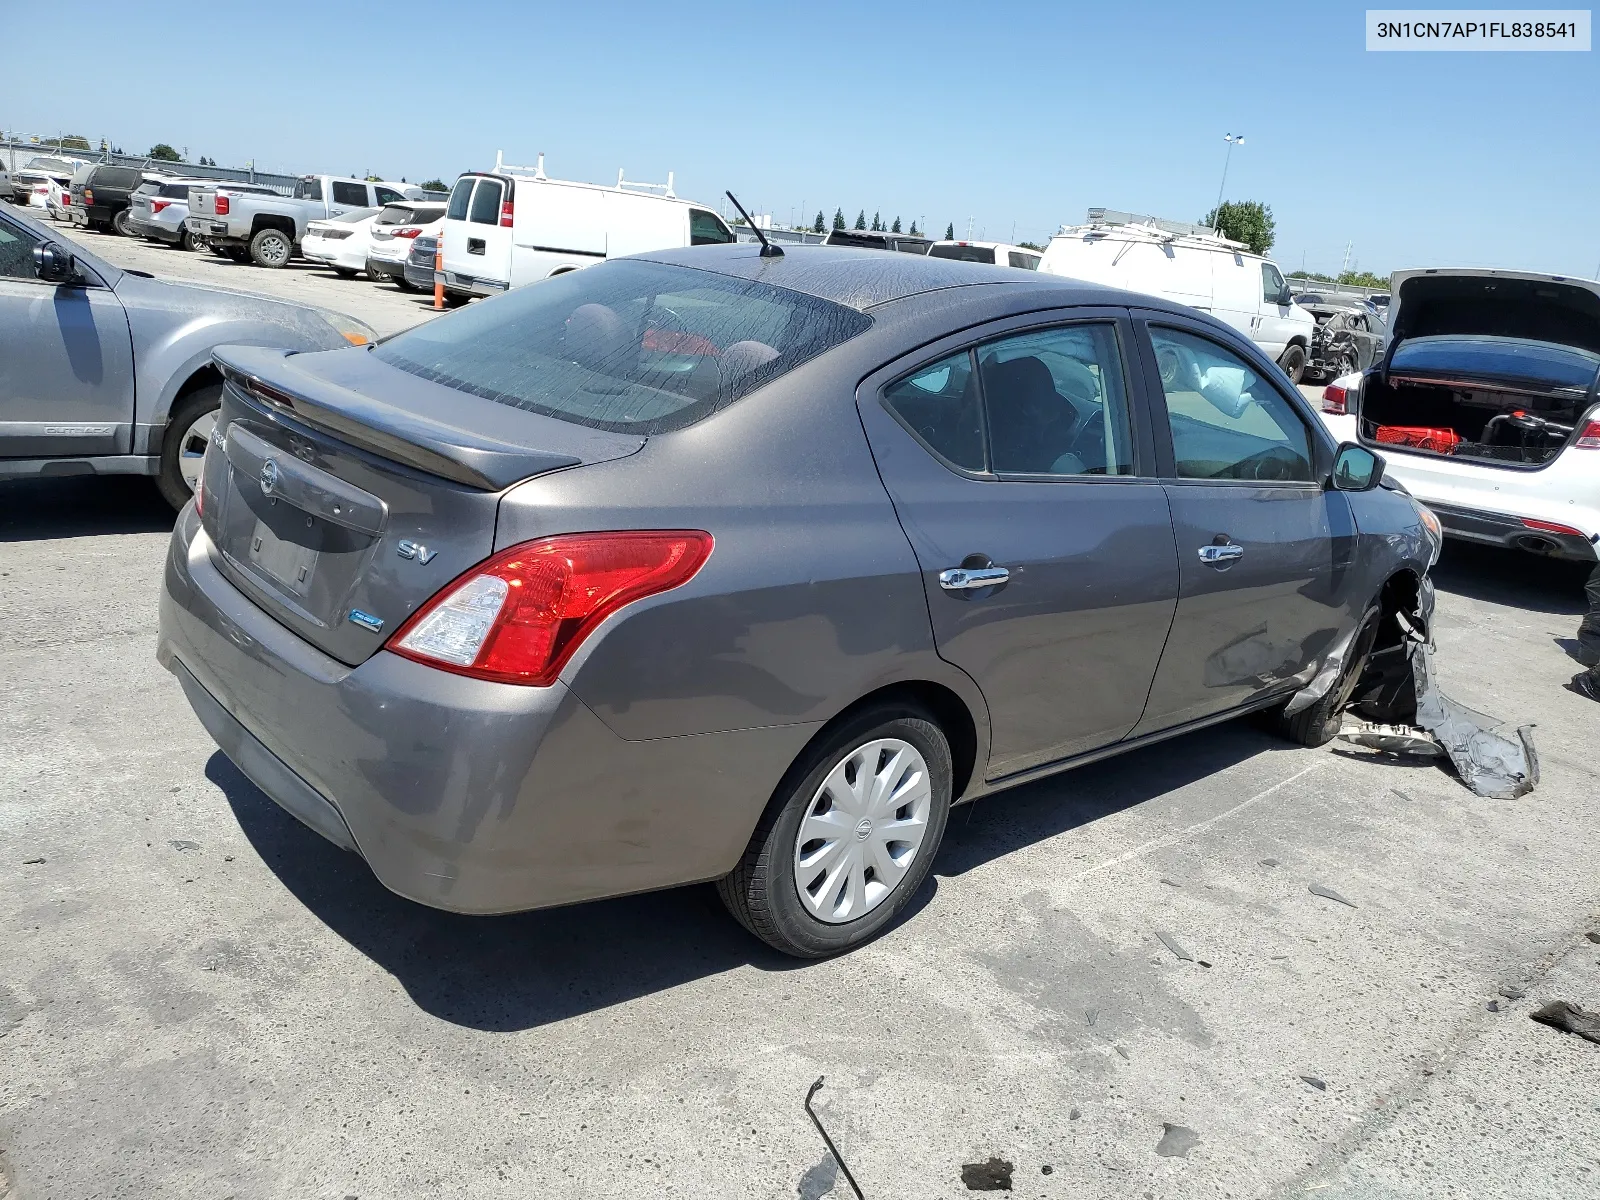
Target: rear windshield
[[117, 177], [308, 189], [977, 254], [175, 191], [629, 346], [49, 164]]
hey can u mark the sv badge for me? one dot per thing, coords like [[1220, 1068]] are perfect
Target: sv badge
[[415, 551]]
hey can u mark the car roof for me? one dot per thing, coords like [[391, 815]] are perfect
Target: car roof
[[863, 279]]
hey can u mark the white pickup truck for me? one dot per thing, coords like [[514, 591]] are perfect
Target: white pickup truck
[[268, 229]]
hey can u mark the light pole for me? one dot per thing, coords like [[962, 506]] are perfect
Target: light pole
[[1233, 139]]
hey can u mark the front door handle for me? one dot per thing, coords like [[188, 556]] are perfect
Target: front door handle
[[961, 579], [1212, 555]]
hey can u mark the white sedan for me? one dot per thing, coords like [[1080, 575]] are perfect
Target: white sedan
[[340, 242]]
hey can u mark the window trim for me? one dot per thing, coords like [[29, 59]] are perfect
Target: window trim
[[1318, 439], [1141, 425]]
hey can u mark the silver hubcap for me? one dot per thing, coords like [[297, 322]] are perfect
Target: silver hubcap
[[192, 447], [274, 249], [862, 830]]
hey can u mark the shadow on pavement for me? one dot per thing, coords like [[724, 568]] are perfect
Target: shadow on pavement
[[81, 506], [1511, 577]]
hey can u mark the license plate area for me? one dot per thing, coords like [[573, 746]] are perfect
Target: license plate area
[[286, 562]]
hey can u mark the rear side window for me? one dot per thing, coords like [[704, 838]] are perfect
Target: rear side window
[[118, 177], [460, 196], [173, 191], [486, 203], [707, 229], [311, 189], [940, 405], [386, 195], [1028, 262], [630, 346], [977, 254], [349, 193]]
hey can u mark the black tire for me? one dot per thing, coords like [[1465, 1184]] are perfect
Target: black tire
[[762, 892], [238, 254], [404, 284], [120, 222], [1293, 362], [1319, 724], [271, 248], [193, 406], [192, 243], [344, 272]]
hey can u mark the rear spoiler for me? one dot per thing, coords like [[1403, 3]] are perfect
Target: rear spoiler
[[403, 435]]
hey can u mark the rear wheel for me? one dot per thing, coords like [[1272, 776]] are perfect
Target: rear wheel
[[1349, 364], [849, 836], [120, 223], [193, 241], [271, 248], [1319, 724], [344, 272], [184, 445], [1293, 362]]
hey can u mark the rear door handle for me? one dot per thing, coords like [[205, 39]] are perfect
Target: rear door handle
[[961, 579], [475, 246], [1211, 555]]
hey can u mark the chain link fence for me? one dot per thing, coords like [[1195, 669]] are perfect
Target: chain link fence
[[17, 152]]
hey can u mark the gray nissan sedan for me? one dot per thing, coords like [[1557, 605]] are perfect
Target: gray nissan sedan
[[710, 565]]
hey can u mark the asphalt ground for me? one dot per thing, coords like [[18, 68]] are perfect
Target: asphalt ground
[[201, 998]]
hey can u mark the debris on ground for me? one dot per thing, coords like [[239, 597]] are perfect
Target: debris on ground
[[1177, 1141], [1122, 1050], [1512, 992], [1171, 882], [991, 1176], [1074, 1115], [1091, 1015], [1171, 943], [1327, 893], [1593, 937], [1269, 862], [182, 844], [819, 1180], [1394, 739], [828, 1141], [1493, 1006], [1569, 1018], [1314, 1082], [32, 862]]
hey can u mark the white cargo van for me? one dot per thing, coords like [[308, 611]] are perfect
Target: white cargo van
[[515, 225], [1192, 265]]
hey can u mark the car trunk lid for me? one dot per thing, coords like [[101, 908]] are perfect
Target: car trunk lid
[[340, 513]]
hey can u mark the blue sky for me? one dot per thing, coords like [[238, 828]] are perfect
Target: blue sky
[[1018, 115]]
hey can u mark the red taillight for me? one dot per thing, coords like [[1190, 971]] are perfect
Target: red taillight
[[506, 210], [1552, 527], [1334, 399], [407, 231], [157, 205], [221, 205], [1589, 436], [66, 199], [88, 194], [519, 617]]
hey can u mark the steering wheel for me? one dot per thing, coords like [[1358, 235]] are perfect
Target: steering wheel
[[1270, 466]]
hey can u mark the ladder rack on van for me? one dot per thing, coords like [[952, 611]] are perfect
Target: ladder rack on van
[[1156, 227], [501, 167]]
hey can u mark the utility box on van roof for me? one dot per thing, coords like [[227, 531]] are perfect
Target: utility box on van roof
[[515, 225]]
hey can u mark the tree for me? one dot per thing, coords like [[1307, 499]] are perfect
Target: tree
[[1031, 246], [820, 226], [838, 218], [435, 185], [895, 228], [164, 153], [1363, 279], [1247, 221], [877, 222], [861, 219], [950, 232], [915, 232], [1316, 275]]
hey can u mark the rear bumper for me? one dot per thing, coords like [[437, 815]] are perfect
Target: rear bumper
[[463, 795], [149, 229], [419, 277], [1498, 529], [387, 268], [473, 285]]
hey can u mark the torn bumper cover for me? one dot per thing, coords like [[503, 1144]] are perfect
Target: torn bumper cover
[[1398, 689]]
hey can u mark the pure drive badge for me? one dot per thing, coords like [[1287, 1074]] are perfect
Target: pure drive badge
[[366, 620]]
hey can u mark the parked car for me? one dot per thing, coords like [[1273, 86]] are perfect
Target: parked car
[[268, 229], [5, 183], [39, 196], [866, 239], [1486, 405], [392, 234], [994, 254], [41, 168], [340, 242], [419, 269], [515, 225], [58, 200], [1194, 266], [706, 564], [1349, 337], [158, 209], [105, 371], [100, 196]]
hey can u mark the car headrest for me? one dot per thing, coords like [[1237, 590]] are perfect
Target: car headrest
[[596, 336]]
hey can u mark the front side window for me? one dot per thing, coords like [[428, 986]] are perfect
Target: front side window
[[310, 189], [1228, 422], [460, 197], [1056, 404], [486, 203], [707, 229], [630, 346], [386, 195], [16, 252], [1271, 283], [350, 193], [940, 405]]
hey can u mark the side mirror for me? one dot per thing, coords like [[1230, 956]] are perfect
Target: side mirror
[[1286, 296], [1356, 469], [53, 264]]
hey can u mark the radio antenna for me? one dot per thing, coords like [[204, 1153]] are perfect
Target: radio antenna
[[768, 250]]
